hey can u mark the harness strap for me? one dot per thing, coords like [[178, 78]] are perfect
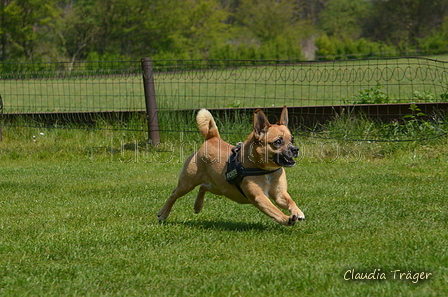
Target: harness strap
[[236, 172]]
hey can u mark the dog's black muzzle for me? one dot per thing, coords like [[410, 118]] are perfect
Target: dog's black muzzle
[[285, 158]]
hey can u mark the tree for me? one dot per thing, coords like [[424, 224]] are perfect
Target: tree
[[185, 29], [78, 29], [343, 18], [402, 22], [24, 24], [205, 28], [274, 26], [9, 17], [437, 41], [310, 10], [268, 19], [121, 25], [50, 30]]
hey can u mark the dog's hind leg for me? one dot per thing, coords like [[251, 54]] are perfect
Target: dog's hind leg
[[199, 203], [178, 192], [190, 177]]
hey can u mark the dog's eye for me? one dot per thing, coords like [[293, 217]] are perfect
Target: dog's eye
[[292, 139], [278, 142]]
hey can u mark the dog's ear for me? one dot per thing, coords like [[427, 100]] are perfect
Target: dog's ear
[[261, 123], [283, 117]]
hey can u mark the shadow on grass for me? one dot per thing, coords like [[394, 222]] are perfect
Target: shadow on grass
[[226, 225]]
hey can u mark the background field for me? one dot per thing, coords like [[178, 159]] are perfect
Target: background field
[[221, 84], [303, 84], [78, 218]]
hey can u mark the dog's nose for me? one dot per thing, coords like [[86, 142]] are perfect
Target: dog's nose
[[295, 151]]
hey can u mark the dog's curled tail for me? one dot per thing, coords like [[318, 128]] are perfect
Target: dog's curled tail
[[207, 124]]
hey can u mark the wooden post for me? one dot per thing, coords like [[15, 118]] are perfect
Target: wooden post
[[1, 118], [150, 100]]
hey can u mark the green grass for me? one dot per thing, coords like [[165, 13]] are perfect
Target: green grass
[[78, 217], [443, 57], [306, 84], [89, 94]]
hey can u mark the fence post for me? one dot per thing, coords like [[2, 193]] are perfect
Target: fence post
[[150, 101], [1, 118]]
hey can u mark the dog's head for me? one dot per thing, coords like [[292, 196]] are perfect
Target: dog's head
[[274, 143]]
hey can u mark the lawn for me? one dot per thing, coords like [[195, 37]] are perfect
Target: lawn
[[78, 217]]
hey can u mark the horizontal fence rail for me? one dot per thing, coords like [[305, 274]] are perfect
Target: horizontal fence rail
[[86, 93]]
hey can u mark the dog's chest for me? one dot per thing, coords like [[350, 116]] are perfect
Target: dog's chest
[[269, 183]]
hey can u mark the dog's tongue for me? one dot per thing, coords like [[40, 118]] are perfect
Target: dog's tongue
[[285, 161], [290, 161]]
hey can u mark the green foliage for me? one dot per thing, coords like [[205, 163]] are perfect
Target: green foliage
[[333, 48], [408, 131], [403, 22], [416, 125], [19, 23], [437, 41], [416, 113], [434, 44], [268, 19], [427, 96], [326, 46], [444, 96], [266, 29], [372, 95], [343, 18], [424, 97], [59, 30]]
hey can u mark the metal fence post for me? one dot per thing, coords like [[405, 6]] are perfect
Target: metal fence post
[[150, 101]]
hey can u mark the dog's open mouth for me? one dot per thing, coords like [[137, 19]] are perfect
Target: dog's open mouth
[[284, 161]]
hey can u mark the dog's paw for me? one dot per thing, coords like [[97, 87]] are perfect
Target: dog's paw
[[161, 216], [292, 220]]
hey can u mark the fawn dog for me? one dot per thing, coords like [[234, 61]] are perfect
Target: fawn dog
[[249, 173]]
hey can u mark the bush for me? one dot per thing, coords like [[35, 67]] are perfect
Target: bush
[[437, 42], [434, 44], [278, 49], [332, 48], [326, 46], [373, 95]]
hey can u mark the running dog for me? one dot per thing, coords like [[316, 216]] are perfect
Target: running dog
[[249, 173]]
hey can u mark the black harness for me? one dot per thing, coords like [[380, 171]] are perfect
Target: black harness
[[236, 172]]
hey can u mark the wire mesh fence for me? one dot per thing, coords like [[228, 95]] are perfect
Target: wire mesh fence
[[243, 84], [82, 91], [71, 87]]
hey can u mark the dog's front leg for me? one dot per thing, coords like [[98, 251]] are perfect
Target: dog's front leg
[[263, 203], [283, 200], [278, 191]]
